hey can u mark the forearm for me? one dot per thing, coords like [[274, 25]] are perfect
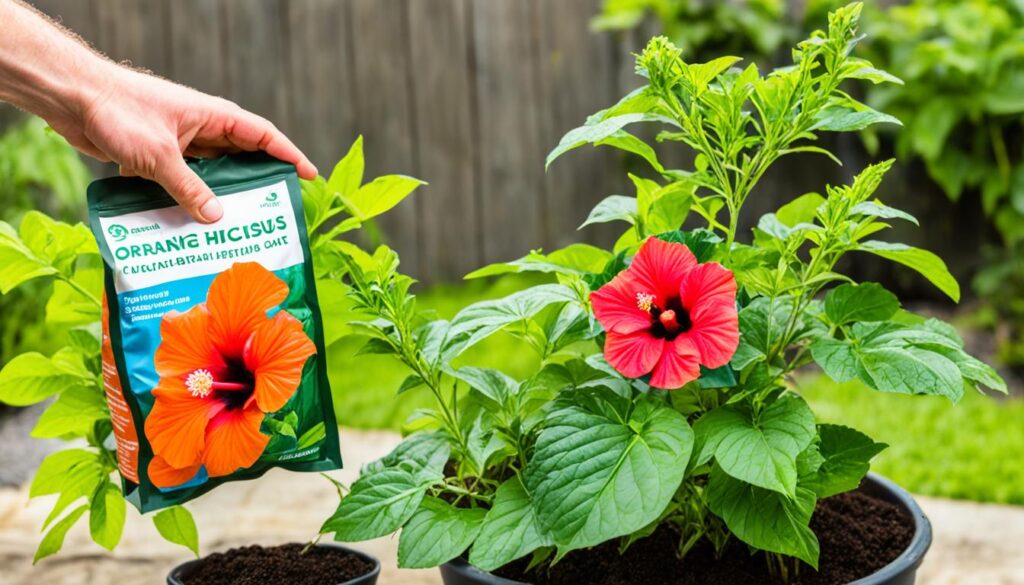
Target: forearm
[[46, 70]]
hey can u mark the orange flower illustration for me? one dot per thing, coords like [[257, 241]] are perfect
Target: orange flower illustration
[[222, 365]]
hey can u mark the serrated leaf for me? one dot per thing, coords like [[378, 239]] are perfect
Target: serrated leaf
[[760, 450], [860, 302], [386, 495], [437, 533], [764, 519], [175, 525], [510, 530], [495, 385], [594, 477], [845, 459]]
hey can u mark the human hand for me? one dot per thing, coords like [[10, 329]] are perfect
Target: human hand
[[146, 124]]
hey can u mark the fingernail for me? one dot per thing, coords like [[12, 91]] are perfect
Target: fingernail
[[211, 210]]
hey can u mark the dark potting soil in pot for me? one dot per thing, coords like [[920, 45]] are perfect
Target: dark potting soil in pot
[[859, 534], [257, 565]]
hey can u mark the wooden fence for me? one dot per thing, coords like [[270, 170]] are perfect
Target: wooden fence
[[468, 95]]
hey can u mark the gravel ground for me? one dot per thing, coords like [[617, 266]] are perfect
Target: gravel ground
[[975, 544]]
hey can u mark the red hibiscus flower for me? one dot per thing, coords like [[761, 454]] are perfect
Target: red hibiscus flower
[[667, 315]]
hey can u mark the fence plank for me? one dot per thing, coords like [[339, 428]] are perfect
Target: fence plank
[[512, 187], [197, 44], [256, 58], [136, 32], [383, 107], [323, 119], [440, 54], [578, 77]]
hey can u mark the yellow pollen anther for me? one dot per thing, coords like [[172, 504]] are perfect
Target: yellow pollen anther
[[644, 301], [200, 383]]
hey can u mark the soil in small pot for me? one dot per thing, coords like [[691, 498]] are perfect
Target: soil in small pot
[[859, 534], [257, 565]]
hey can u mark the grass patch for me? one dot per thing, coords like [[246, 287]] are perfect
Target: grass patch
[[974, 450]]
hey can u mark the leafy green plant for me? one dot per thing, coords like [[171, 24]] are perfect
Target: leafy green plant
[[664, 392], [698, 27], [82, 477], [37, 168], [963, 63]]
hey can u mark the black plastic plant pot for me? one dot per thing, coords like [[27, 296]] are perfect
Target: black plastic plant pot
[[902, 571], [180, 574]]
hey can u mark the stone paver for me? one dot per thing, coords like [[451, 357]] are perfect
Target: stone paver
[[975, 544]]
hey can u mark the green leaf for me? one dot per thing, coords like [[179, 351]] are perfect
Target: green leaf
[[437, 533], [493, 384], [702, 243], [846, 457], [380, 195], [175, 525], [927, 264], [54, 242], [106, 516], [803, 209], [595, 477], [73, 413], [18, 263], [510, 530], [758, 450], [612, 208], [388, 492], [860, 302], [574, 259], [480, 320], [32, 377], [68, 306], [595, 130], [625, 141], [347, 175], [314, 435], [764, 519], [876, 209], [844, 119], [701, 74], [56, 469], [54, 539]]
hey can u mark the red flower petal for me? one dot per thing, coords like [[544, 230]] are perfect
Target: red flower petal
[[709, 293], [615, 305], [633, 354], [660, 266], [678, 366]]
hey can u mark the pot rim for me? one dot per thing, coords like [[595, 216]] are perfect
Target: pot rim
[[908, 561], [173, 578]]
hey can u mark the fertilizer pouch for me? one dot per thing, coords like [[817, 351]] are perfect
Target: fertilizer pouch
[[213, 348]]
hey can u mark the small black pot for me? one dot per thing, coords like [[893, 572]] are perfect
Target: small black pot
[[902, 571], [181, 571]]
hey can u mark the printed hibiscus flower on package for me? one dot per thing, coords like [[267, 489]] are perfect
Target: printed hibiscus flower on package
[[664, 401], [223, 365]]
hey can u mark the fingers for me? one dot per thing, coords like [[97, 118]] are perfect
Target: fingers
[[187, 188], [251, 132]]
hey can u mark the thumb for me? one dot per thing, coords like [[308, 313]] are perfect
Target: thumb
[[188, 189]]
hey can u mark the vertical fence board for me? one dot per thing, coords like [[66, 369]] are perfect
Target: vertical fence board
[[136, 32], [197, 45], [323, 119], [383, 107], [444, 137], [511, 163], [577, 78], [254, 50]]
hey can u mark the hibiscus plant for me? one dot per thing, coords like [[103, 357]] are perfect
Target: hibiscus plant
[[63, 260], [664, 395]]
